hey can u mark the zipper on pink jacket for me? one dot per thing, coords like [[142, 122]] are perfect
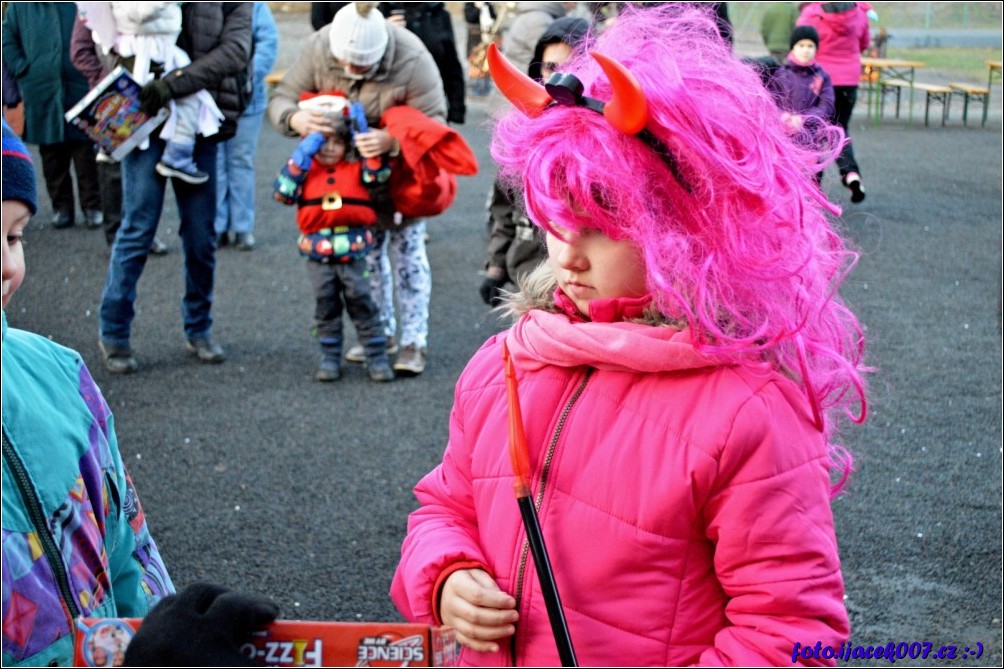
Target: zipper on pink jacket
[[539, 499]]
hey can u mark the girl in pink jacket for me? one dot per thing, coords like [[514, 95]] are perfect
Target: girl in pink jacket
[[843, 35], [683, 360]]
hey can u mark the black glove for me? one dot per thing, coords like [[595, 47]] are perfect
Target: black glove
[[204, 626], [491, 290], [153, 96]]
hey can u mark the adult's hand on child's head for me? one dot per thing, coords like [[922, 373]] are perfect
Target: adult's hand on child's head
[[204, 626], [374, 143], [473, 605], [305, 122], [307, 149]]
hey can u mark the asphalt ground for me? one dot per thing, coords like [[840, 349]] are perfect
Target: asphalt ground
[[257, 478]]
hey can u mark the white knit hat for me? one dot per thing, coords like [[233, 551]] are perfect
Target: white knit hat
[[359, 34]]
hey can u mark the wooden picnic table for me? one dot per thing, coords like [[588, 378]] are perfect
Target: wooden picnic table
[[888, 68]]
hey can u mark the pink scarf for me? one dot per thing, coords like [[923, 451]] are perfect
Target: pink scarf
[[541, 338]]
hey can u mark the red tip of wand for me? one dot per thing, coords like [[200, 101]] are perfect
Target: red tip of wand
[[519, 454]]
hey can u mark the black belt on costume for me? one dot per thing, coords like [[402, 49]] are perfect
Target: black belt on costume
[[332, 201]]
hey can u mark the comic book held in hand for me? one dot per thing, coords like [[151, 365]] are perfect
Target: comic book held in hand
[[110, 115]]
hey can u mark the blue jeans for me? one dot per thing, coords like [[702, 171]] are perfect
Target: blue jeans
[[142, 203], [235, 189]]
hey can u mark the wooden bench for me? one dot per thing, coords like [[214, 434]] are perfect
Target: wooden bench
[[891, 85], [968, 91], [934, 93]]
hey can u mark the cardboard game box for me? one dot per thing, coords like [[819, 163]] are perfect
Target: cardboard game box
[[101, 642], [110, 116]]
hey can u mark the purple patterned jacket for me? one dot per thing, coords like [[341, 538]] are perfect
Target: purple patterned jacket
[[75, 540]]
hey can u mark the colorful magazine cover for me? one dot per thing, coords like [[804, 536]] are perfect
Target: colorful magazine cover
[[110, 115]]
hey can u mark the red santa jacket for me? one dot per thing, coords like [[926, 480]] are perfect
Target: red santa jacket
[[334, 196]]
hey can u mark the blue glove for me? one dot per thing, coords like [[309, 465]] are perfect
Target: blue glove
[[307, 149], [357, 117], [375, 170]]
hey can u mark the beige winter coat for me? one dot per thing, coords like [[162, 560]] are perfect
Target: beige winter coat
[[407, 76]]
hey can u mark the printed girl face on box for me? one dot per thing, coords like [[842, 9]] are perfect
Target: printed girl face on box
[[15, 217], [590, 266], [804, 51]]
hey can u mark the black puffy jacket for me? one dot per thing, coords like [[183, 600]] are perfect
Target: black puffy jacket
[[217, 37], [433, 25]]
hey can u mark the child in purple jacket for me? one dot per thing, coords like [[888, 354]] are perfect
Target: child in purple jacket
[[803, 90]]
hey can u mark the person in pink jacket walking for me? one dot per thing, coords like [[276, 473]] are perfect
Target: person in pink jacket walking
[[683, 361], [843, 35]]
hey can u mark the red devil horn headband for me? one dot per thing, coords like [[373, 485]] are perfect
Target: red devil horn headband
[[627, 110], [527, 95]]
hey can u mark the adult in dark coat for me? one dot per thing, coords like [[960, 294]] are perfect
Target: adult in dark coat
[[843, 36], [472, 16], [217, 37], [321, 13], [36, 50], [432, 24], [11, 98]]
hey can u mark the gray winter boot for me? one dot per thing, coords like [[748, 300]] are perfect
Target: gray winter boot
[[377, 360], [330, 367]]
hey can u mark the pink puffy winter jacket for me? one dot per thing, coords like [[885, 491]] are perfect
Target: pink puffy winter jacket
[[843, 35], [685, 505]]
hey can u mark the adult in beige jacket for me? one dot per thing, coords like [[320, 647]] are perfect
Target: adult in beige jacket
[[381, 65]]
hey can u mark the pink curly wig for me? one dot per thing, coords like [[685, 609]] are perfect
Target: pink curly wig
[[743, 250]]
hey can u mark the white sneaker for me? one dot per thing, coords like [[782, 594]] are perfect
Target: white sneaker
[[357, 354]]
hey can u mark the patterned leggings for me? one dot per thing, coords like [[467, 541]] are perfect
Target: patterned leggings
[[411, 276]]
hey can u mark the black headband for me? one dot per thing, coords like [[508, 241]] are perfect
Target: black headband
[[566, 90]]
